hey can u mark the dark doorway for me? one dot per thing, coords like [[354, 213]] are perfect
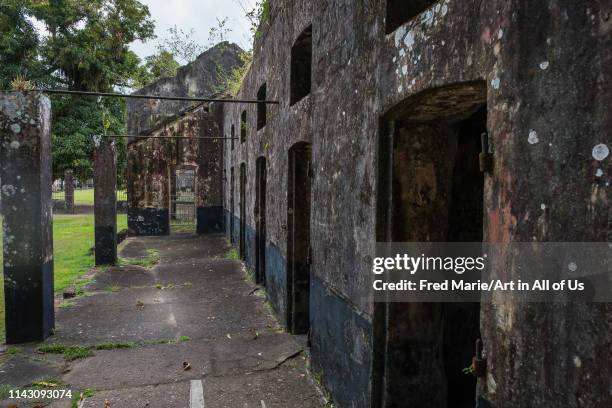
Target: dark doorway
[[242, 211], [261, 107], [243, 126], [301, 66], [400, 11], [260, 221], [298, 239], [461, 321], [232, 216], [431, 190]]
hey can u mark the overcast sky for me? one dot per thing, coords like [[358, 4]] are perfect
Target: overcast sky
[[200, 15]]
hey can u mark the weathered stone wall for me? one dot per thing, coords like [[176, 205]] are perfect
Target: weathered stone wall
[[545, 69], [152, 162]]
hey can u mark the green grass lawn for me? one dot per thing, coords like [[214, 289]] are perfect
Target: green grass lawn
[[73, 236], [86, 197]]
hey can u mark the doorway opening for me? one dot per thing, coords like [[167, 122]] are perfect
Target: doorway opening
[[232, 215], [261, 107], [431, 190], [182, 200], [243, 211], [298, 238], [260, 221], [243, 126]]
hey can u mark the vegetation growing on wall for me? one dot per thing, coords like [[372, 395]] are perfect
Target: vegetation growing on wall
[[258, 16], [161, 65], [232, 81]]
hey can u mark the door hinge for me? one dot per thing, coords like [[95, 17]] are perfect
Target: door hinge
[[485, 158]]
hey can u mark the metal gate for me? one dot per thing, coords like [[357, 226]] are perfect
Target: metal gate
[[182, 202], [121, 190]]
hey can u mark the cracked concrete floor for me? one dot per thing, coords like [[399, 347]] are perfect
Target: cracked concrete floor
[[194, 307]]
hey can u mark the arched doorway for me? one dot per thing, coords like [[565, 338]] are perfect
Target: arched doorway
[[430, 190], [243, 211], [260, 221], [298, 238]]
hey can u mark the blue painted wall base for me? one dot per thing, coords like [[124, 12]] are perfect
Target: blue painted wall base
[[149, 221], [337, 329], [209, 220]]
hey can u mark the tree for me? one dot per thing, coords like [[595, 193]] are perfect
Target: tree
[[181, 45], [162, 65], [80, 119], [88, 42], [156, 66], [257, 14], [18, 44], [218, 33], [87, 48]]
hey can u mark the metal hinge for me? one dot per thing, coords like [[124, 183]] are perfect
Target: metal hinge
[[309, 257], [479, 363], [485, 158]]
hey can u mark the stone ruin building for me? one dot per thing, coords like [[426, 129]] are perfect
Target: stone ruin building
[[155, 165], [384, 109]]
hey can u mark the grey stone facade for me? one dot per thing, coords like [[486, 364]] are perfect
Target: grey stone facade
[[391, 86]]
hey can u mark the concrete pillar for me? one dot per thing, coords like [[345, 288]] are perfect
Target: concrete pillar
[[105, 201], [25, 173], [69, 191]]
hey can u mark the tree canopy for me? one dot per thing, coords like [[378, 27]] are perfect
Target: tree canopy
[[19, 44], [84, 45], [161, 65]]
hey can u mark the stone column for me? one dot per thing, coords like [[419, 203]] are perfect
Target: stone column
[[105, 201], [69, 191], [25, 173]]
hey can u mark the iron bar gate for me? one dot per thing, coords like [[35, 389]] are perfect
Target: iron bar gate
[[182, 201]]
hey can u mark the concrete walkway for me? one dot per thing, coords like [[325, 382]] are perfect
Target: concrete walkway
[[192, 331]]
